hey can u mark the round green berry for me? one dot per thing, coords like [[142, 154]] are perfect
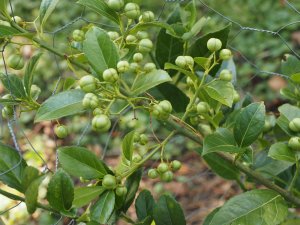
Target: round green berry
[[181, 62], [98, 111], [162, 167], [153, 174], [115, 4], [131, 39], [189, 82], [225, 54], [61, 131], [90, 101], [18, 20], [121, 191], [145, 45], [138, 57], [101, 123], [109, 181], [189, 61], [226, 75], [143, 139], [148, 67], [110, 75], [236, 97], [214, 44], [35, 91], [142, 35], [294, 125], [202, 108], [167, 176], [175, 165], [122, 66], [16, 62], [166, 106], [78, 35], [132, 10], [147, 16], [113, 35], [134, 67], [194, 120], [88, 83], [294, 143]]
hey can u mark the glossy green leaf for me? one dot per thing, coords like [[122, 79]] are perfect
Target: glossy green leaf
[[170, 66], [290, 66], [249, 124], [296, 78], [29, 72], [13, 84], [100, 7], [99, 50], [46, 9], [81, 162], [281, 151], [3, 8], [220, 141], [60, 193], [144, 205], [127, 145], [147, 81], [60, 105], [30, 174], [220, 91], [167, 211], [31, 194], [288, 93], [264, 207], [12, 167], [69, 83], [210, 216], [289, 111], [103, 208], [84, 195], [6, 31], [203, 62]]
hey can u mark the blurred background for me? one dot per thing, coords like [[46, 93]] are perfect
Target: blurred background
[[258, 51]]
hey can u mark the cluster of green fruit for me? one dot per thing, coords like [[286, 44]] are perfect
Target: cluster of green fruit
[[294, 142], [110, 182], [165, 171], [162, 110]]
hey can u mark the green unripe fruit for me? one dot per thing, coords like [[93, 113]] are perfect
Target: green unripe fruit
[[225, 54], [189, 61], [122, 66], [132, 10], [136, 137], [138, 57], [202, 108], [162, 167], [294, 125], [142, 35], [189, 82], [109, 181], [110, 75], [61, 131], [294, 143], [7, 112], [113, 35], [267, 126], [78, 35], [15, 62], [214, 44], [137, 158], [153, 174], [121, 191], [175, 165], [98, 111], [35, 91], [101, 123], [131, 39], [236, 97], [88, 83], [145, 45], [194, 120], [148, 67], [143, 139], [205, 129], [226, 75], [90, 101], [4, 23], [167, 176], [134, 67], [181, 62], [115, 4], [18, 20], [156, 111], [166, 106], [147, 16]]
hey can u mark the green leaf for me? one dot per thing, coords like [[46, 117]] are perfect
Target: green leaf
[[99, 50], [147, 81], [197, 27], [210, 216], [103, 208], [264, 207], [168, 212], [30, 174], [81, 162], [31, 194], [168, 47], [13, 84], [3, 8], [281, 151], [221, 91], [296, 77], [100, 7], [203, 62], [291, 222], [170, 66], [60, 105], [9, 101], [132, 184], [220, 141], [289, 111], [249, 124], [219, 166], [60, 192], [12, 167], [144, 205], [69, 83], [127, 145], [6, 31], [188, 14], [290, 66], [84, 195], [28, 77], [46, 9]]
